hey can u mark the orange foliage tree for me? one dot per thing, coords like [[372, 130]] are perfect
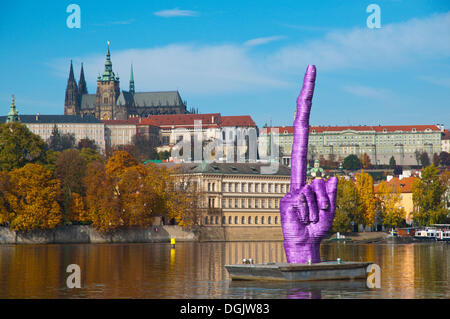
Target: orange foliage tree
[[32, 199], [364, 186]]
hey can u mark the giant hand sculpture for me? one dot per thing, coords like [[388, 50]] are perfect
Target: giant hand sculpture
[[307, 211]]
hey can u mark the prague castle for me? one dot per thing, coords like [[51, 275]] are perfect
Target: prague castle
[[112, 103]]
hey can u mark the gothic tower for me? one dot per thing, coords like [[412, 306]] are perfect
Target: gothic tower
[[132, 81], [72, 100], [82, 87], [108, 90]]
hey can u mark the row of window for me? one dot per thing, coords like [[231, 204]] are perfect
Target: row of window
[[242, 220], [254, 187], [250, 203]]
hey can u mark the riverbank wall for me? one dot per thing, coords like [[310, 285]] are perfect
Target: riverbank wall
[[80, 234]]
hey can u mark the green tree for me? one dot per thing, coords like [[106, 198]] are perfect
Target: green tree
[[392, 162], [428, 198], [352, 162], [436, 160], [164, 155], [87, 143], [424, 159], [143, 148], [19, 146], [90, 155], [60, 142]]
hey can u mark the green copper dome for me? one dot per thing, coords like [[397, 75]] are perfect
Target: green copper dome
[[13, 115]]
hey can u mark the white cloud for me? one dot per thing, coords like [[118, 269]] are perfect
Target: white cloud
[[259, 41], [192, 68], [367, 91], [437, 80], [176, 13], [393, 45], [212, 69]]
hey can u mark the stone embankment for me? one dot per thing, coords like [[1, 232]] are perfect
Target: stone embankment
[[87, 234]]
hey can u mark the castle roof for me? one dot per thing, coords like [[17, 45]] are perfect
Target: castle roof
[[225, 168], [361, 128], [54, 119]]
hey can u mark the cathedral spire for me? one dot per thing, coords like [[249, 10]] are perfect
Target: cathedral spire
[[108, 75], [71, 76], [13, 115], [71, 101], [82, 87], [132, 81]]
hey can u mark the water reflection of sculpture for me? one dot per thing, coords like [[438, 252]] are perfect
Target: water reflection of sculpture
[[307, 211]]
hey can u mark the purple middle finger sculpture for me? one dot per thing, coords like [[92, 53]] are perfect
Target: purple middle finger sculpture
[[307, 211]]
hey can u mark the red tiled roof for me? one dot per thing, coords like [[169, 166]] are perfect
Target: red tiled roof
[[446, 135], [131, 120], [182, 120], [362, 128], [242, 120], [405, 184]]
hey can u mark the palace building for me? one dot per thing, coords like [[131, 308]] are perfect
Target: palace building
[[111, 103], [379, 142]]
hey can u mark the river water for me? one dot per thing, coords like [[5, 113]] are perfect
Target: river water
[[196, 270]]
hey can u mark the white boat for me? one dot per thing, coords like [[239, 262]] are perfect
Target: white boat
[[429, 233], [443, 235]]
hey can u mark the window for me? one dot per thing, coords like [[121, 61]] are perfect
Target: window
[[262, 220], [206, 220], [235, 219], [243, 203], [269, 220], [217, 219], [105, 100], [276, 219], [256, 219], [243, 220], [223, 220], [229, 219], [249, 219]]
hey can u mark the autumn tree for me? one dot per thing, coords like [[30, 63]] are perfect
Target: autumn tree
[[389, 198], [348, 207], [19, 146], [365, 161], [191, 198], [32, 199], [70, 169], [364, 187], [428, 198], [4, 186], [102, 200]]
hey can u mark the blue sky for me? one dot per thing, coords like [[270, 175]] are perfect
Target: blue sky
[[239, 58]]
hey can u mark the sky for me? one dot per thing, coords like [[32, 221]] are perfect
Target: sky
[[239, 58]]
